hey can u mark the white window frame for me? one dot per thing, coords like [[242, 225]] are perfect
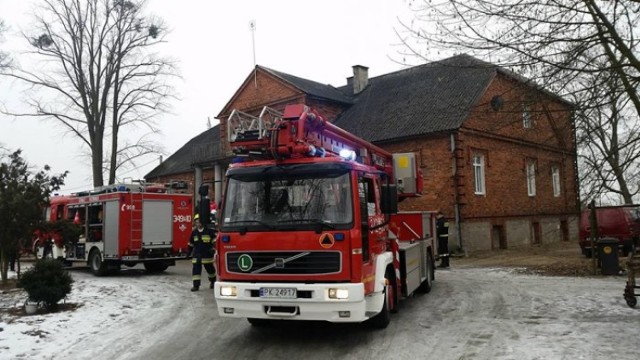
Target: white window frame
[[531, 177], [555, 180], [526, 116], [478, 172]]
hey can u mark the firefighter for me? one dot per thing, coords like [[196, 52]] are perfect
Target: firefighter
[[201, 245], [442, 232]]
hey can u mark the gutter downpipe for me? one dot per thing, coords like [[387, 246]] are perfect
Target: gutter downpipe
[[456, 205]]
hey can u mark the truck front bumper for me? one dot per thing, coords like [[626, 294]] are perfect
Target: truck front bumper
[[312, 301]]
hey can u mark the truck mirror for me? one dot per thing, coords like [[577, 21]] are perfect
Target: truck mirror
[[389, 201]]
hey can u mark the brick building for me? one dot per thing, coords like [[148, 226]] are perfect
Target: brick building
[[498, 153]]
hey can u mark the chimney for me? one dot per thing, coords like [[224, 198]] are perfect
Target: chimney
[[360, 78]]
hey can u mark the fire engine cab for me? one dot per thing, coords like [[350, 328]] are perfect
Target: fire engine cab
[[309, 227], [123, 224]]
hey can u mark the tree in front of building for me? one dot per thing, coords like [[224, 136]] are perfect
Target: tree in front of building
[[23, 196]]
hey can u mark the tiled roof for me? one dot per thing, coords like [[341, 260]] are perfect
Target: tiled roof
[[424, 99], [182, 160], [312, 88]]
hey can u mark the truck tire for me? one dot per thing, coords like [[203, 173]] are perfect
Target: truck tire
[[155, 267], [427, 284], [383, 318], [38, 251], [98, 267]]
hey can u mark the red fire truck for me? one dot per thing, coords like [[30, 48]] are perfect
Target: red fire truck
[[309, 227], [122, 224]]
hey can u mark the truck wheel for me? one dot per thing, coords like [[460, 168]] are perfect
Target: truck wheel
[[393, 294], [98, 267], [155, 267], [427, 284], [382, 319], [587, 253], [38, 250]]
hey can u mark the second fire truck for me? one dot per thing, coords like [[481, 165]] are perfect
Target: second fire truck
[[309, 227], [123, 224]]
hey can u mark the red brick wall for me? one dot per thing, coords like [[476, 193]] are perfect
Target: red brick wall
[[274, 93], [269, 90], [328, 110], [434, 160], [506, 179], [506, 144]]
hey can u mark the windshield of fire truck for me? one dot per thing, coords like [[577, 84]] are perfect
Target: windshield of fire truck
[[288, 200]]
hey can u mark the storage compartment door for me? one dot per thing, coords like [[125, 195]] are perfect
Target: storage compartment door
[[157, 223], [111, 228]]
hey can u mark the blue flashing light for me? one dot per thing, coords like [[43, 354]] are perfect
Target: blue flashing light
[[226, 238], [316, 151], [338, 236], [312, 151]]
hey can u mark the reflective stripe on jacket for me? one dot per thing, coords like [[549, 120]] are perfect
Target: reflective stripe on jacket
[[202, 242]]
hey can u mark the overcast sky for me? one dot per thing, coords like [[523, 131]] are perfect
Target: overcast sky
[[316, 40]]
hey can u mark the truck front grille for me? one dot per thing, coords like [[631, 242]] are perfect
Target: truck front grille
[[284, 262]]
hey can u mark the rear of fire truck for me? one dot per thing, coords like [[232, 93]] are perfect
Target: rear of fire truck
[[304, 223]]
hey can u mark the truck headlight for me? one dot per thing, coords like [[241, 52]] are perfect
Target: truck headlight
[[338, 294], [228, 291]]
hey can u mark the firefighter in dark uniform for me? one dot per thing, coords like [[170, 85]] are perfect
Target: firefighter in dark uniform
[[442, 232], [201, 245]]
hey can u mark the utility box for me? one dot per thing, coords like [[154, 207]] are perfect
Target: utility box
[[404, 166], [608, 256]]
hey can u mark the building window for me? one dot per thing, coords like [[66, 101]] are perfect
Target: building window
[[478, 170], [555, 179], [531, 177], [526, 116]]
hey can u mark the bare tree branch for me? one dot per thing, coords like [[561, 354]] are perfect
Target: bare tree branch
[[583, 50], [100, 76]]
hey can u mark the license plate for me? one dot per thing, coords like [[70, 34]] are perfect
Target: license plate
[[282, 293]]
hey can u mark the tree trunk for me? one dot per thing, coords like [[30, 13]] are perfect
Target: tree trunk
[[114, 154], [4, 266], [96, 162]]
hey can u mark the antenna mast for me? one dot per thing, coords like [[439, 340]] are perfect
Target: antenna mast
[[252, 27]]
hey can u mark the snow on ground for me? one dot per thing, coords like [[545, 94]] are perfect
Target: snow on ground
[[471, 313], [104, 303]]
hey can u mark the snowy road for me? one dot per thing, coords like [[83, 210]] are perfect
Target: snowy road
[[470, 314]]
